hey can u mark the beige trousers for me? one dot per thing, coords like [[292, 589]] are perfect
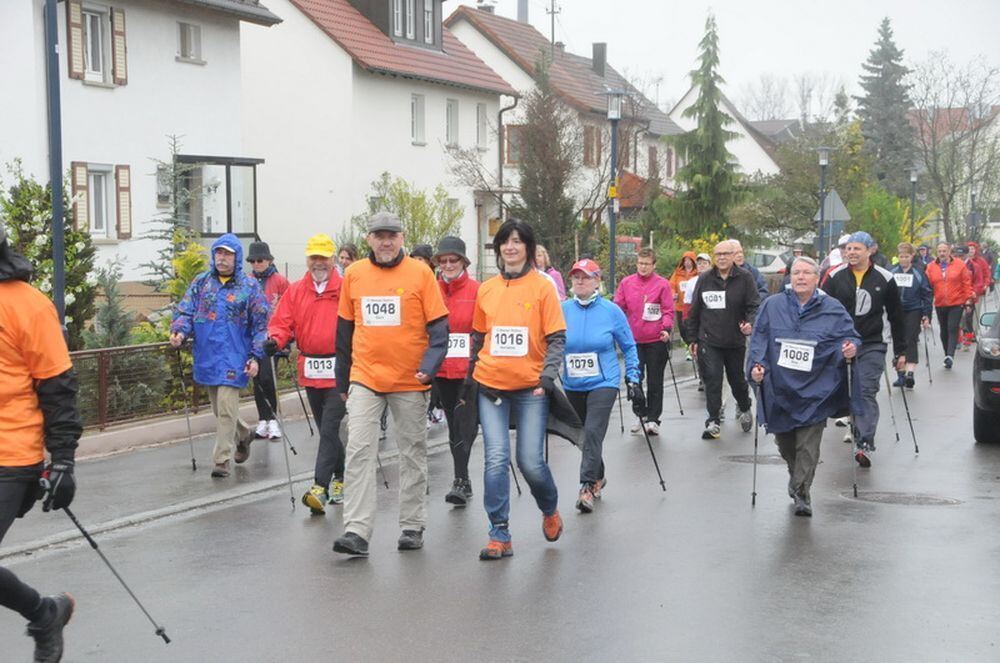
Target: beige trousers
[[229, 428]]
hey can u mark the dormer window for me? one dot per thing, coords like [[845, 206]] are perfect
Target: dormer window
[[397, 17], [428, 21], [410, 20]]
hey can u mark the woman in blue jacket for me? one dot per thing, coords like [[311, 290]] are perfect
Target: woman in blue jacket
[[800, 340], [591, 374], [918, 302]]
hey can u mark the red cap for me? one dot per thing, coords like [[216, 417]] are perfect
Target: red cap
[[587, 266]]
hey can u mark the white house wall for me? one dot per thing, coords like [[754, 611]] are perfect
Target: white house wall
[[127, 124]]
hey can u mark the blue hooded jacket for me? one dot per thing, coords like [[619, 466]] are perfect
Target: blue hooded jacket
[[796, 398], [595, 328], [228, 321], [918, 296]]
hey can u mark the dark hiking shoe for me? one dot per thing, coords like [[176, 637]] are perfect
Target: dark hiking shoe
[[411, 539], [862, 457], [460, 493], [900, 380], [496, 550], [803, 507], [746, 420], [243, 449], [948, 361], [351, 544], [585, 503], [48, 631], [221, 470], [910, 382]]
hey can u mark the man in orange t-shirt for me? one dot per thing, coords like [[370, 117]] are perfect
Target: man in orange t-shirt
[[38, 397], [392, 336]]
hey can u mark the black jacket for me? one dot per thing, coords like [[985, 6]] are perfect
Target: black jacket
[[720, 327], [880, 294]]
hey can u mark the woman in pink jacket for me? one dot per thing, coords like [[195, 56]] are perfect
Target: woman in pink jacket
[[648, 302]]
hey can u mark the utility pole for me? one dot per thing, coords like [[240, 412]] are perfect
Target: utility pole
[[552, 11]]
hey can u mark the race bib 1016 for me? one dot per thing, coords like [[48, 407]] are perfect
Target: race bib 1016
[[583, 365], [714, 299], [320, 368], [651, 312], [380, 311], [796, 355], [458, 346], [509, 341], [903, 280]]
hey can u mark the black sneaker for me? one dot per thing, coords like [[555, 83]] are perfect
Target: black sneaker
[[351, 544], [48, 631], [803, 507], [910, 382], [461, 491], [411, 539], [900, 379]]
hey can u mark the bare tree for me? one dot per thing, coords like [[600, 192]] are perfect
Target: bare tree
[[958, 135], [766, 98], [815, 95]]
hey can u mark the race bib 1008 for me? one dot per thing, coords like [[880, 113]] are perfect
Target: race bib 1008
[[796, 355], [583, 365], [509, 341], [714, 299], [651, 312], [320, 368], [458, 346], [903, 280], [380, 311]]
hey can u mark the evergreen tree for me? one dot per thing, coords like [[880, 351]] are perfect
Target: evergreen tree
[[112, 324], [708, 186], [882, 110]]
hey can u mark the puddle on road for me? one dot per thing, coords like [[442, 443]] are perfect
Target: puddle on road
[[907, 499], [762, 459]]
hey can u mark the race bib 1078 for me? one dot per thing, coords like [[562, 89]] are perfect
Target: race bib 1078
[[380, 311], [509, 341], [458, 346]]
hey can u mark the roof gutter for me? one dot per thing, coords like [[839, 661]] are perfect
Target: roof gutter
[[500, 152]]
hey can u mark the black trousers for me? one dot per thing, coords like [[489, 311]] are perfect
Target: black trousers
[[264, 392], [949, 318], [652, 362], [594, 409], [461, 433], [328, 410], [911, 327], [14, 594], [714, 361]]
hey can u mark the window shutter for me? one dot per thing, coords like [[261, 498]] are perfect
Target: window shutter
[[119, 56], [81, 202], [123, 188], [74, 38]]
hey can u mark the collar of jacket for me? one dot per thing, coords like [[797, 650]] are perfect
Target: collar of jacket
[[804, 308], [266, 274], [387, 265], [528, 267], [456, 283]]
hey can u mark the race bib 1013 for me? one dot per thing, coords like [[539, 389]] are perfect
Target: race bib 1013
[[320, 368]]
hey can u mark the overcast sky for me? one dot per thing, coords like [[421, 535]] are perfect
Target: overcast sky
[[654, 38]]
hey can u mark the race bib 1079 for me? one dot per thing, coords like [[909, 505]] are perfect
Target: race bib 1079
[[380, 311], [583, 365]]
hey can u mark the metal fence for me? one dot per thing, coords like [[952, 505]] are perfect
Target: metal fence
[[137, 382]]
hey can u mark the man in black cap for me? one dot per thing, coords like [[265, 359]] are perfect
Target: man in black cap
[[424, 253], [274, 286]]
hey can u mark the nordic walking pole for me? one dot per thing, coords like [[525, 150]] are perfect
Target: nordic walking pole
[[892, 408], [517, 484], [674, 378], [927, 356], [850, 413], [284, 434], [756, 430], [298, 390], [187, 411], [160, 631], [649, 444], [621, 412], [909, 419]]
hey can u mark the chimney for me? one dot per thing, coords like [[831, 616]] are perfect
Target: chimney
[[522, 11], [600, 58], [486, 6], [560, 47]]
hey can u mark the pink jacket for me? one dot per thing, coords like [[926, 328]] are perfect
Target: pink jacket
[[634, 293]]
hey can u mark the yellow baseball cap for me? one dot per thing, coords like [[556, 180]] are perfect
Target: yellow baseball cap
[[321, 245]]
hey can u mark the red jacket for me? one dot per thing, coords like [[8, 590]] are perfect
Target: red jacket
[[460, 299], [980, 271], [310, 319], [953, 286]]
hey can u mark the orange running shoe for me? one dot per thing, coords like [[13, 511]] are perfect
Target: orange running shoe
[[496, 550], [552, 526]]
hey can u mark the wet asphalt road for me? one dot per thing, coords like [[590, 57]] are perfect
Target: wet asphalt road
[[693, 574]]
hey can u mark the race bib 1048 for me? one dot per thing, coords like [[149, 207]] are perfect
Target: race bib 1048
[[651, 312], [320, 368], [583, 365], [714, 299], [903, 280], [458, 346], [380, 311], [796, 355], [509, 341]]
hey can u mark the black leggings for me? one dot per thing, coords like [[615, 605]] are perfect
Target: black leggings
[[449, 389], [264, 392], [328, 410], [948, 320], [911, 327], [652, 362], [14, 594]]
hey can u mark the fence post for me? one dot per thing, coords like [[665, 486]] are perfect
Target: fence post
[[102, 390]]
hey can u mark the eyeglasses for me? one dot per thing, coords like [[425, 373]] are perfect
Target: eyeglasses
[[449, 260], [720, 254], [254, 261]]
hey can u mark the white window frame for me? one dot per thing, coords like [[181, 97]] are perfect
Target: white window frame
[[194, 42], [417, 119], [397, 17], [428, 21], [100, 176], [101, 18], [451, 123], [411, 20], [481, 126]]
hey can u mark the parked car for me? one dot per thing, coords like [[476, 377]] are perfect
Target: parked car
[[769, 261], [986, 380]]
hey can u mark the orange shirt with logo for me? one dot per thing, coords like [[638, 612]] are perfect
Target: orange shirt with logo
[[390, 308], [515, 316], [31, 348]]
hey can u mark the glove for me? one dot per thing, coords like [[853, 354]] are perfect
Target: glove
[[270, 347], [547, 383], [59, 485], [637, 398], [466, 390], [669, 345]]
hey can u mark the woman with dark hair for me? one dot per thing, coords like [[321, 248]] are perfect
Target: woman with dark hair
[[348, 253], [518, 339]]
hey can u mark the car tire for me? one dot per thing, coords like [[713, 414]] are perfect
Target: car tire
[[985, 426]]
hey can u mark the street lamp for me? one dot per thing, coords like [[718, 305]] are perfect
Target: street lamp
[[614, 115], [824, 161], [913, 200]]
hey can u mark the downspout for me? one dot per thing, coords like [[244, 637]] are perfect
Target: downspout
[[500, 152]]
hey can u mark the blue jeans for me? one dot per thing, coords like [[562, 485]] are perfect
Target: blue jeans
[[529, 415], [870, 365]]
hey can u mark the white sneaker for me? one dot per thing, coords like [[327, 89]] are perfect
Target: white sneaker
[[636, 426], [652, 428], [842, 422], [261, 431], [273, 431]]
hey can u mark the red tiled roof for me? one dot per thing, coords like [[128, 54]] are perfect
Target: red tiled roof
[[374, 51], [634, 192]]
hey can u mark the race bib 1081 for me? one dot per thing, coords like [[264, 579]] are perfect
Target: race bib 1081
[[714, 299], [509, 341], [380, 311]]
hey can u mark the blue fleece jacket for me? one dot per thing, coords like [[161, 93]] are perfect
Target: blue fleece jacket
[[593, 330], [918, 295]]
